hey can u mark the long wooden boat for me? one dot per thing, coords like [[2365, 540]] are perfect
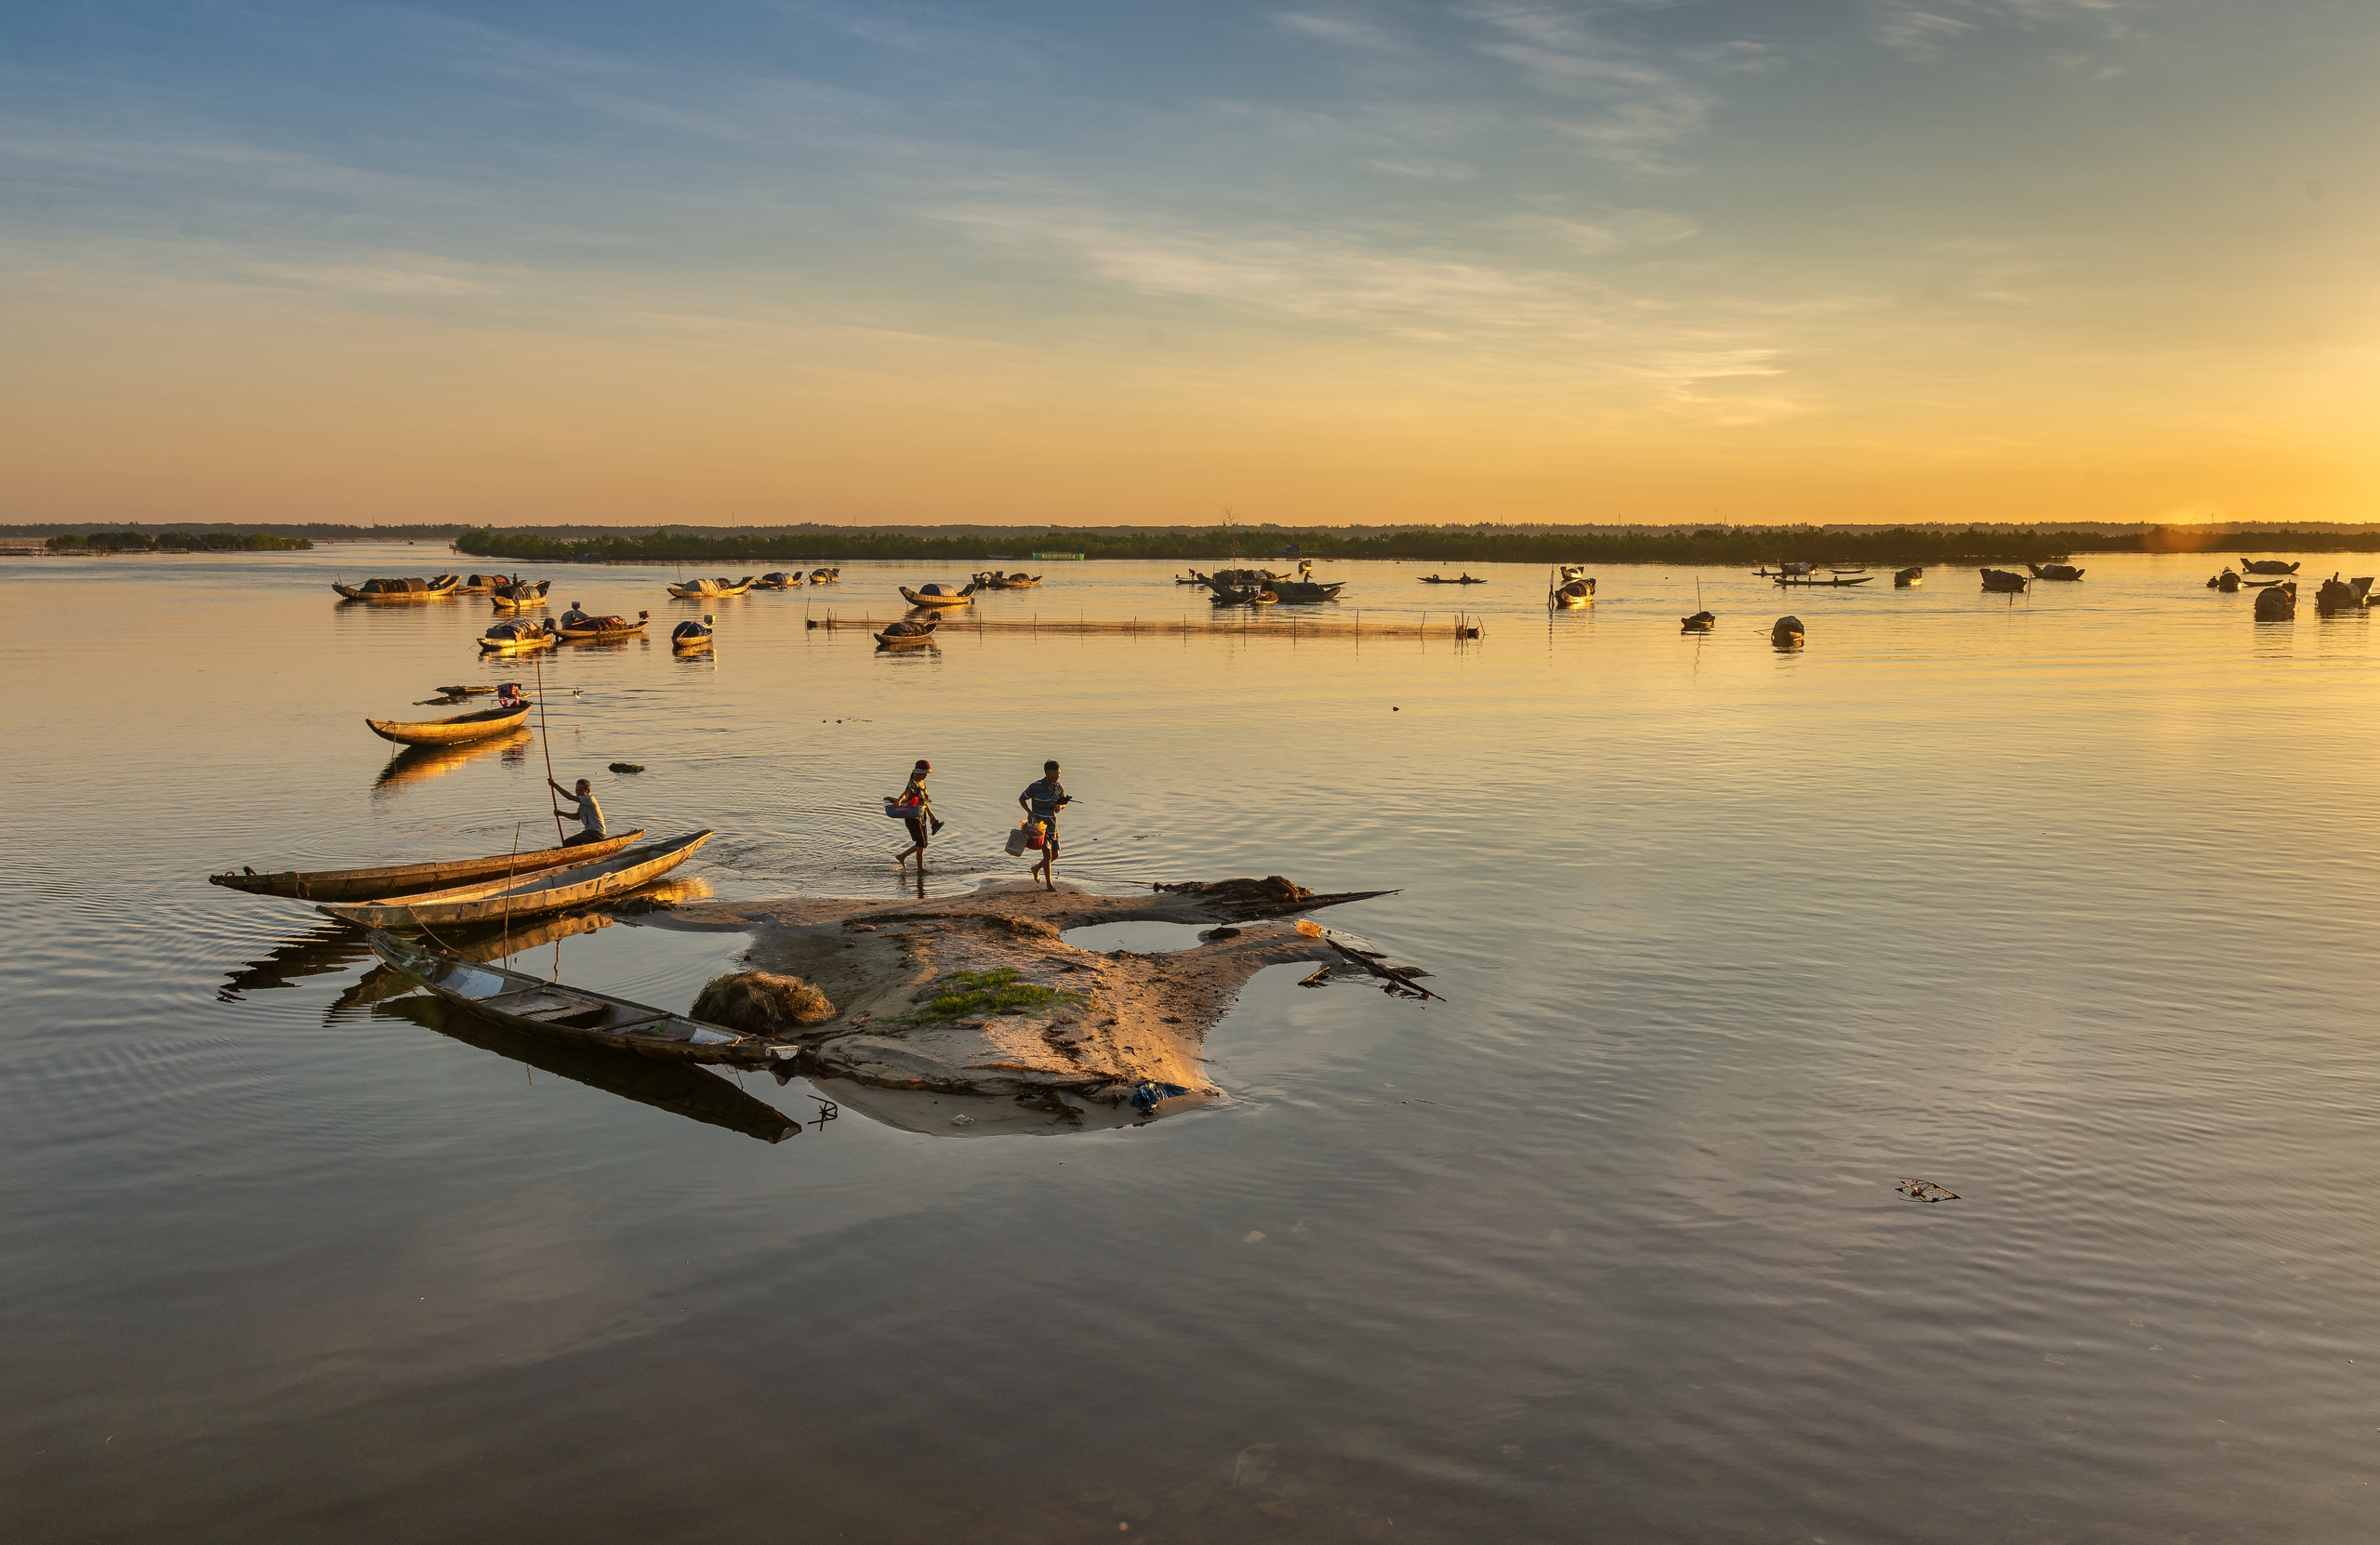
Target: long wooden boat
[[935, 595], [597, 629], [512, 899], [356, 885], [532, 1004], [1438, 579], [401, 590], [702, 590], [2267, 565], [995, 580], [1811, 581], [450, 732], [2005, 581], [904, 635], [2055, 571], [1304, 590]]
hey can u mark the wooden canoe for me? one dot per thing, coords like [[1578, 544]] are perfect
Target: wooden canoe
[[451, 732], [499, 901], [2005, 581], [355, 885], [496, 641], [1304, 590], [519, 1001], [954, 597], [690, 643]]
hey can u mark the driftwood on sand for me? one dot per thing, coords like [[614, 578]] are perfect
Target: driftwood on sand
[[979, 996]]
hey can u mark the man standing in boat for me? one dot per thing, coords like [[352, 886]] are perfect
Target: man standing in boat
[[588, 815], [1041, 800]]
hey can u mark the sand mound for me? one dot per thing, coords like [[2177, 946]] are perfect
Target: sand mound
[[762, 1003]]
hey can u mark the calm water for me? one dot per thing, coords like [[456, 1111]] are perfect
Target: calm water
[[2065, 903]]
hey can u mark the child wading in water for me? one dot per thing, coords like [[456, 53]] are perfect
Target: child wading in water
[[922, 819]]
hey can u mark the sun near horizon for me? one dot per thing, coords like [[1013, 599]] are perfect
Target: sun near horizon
[[2028, 260]]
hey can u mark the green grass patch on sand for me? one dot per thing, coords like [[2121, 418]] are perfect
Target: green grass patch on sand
[[966, 995]]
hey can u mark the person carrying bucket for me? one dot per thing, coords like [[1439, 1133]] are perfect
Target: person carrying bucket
[[917, 806], [1040, 801]]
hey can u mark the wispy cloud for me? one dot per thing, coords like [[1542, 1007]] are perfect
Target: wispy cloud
[[1347, 32], [1646, 110], [1926, 32]]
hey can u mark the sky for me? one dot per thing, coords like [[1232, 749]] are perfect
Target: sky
[[1128, 261]]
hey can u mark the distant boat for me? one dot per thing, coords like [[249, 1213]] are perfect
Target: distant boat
[[939, 595], [692, 638], [401, 590], [519, 1001], [994, 580], [499, 901], [1466, 579], [1786, 633], [1701, 622], [1805, 580], [451, 732], [776, 579], [2269, 565], [1301, 591], [1904, 578], [826, 576], [2055, 571], [1574, 589], [2226, 582], [2278, 604], [907, 634], [351, 885], [703, 590], [2003, 580]]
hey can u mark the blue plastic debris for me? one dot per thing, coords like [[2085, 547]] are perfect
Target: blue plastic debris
[[1148, 1091]]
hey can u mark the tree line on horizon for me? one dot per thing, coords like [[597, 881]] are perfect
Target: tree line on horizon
[[1715, 544], [175, 541]]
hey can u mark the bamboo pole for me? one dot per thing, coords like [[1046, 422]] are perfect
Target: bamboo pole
[[546, 741]]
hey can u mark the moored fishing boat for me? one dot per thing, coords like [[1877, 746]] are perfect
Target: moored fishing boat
[[521, 597], [1440, 579], [1904, 578], [1575, 587], [1302, 591], [777, 579], [451, 732], [2004, 581], [517, 637], [992, 579], [593, 629], [2055, 571], [1786, 633], [397, 879], [2278, 604], [534, 895], [2267, 565], [519, 1001], [702, 590], [2343, 595], [939, 595], [908, 635], [826, 576], [1701, 622], [692, 638], [438, 588]]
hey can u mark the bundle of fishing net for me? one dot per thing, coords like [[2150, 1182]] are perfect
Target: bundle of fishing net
[[762, 1003]]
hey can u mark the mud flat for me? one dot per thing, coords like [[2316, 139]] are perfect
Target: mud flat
[[972, 1011]]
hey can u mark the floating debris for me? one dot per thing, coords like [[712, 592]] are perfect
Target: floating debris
[[1925, 1191]]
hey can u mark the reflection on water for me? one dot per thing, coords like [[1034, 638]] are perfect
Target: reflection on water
[[2002, 892], [680, 1089], [419, 763]]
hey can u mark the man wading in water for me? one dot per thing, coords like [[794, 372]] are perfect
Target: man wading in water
[[919, 818], [588, 814], [1041, 801]]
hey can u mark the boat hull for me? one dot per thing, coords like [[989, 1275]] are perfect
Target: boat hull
[[451, 732], [918, 598], [358, 885], [537, 1006], [508, 901]]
